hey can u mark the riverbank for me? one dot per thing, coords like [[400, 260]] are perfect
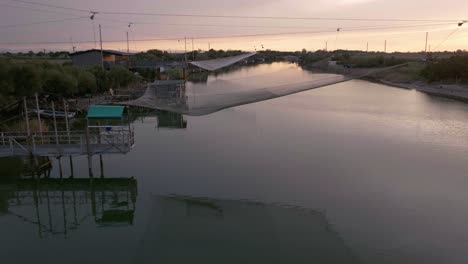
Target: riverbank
[[453, 91]]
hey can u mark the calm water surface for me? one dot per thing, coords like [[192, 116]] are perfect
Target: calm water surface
[[351, 173]]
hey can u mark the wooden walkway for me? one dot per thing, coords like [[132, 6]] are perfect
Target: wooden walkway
[[66, 143]]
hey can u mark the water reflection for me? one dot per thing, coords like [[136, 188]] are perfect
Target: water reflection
[[178, 229], [15, 167], [60, 206], [203, 230], [170, 120], [163, 119], [192, 98], [239, 88]]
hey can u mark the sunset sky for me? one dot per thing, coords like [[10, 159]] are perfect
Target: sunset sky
[[56, 28]]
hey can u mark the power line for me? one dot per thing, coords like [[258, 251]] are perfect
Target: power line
[[232, 16], [445, 39], [217, 25], [42, 22], [201, 37], [284, 27], [53, 6], [164, 39], [38, 10]]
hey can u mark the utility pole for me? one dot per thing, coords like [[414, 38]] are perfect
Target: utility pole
[[367, 47], [427, 37], [55, 124], [326, 45], [385, 46], [209, 46], [128, 45], [185, 56], [100, 40], [193, 52], [185, 53], [94, 27]]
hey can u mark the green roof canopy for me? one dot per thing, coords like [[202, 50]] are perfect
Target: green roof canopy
[[105, 112]]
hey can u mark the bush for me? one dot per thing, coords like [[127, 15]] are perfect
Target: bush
[[120, 76], [87, 83], [454, 69], [59, 83], [175, 74], [26, 80]]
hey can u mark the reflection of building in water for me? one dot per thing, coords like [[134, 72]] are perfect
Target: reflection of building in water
[[15, 167], [61, 206], [170, 93], [163, 119], [196, 230], [171, 120]]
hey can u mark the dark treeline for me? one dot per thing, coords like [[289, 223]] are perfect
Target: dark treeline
[[159, 55], [23, 78], [454, 69], [444, 67], [38, 55]]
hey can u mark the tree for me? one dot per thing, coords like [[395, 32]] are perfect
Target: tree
[[26, 79], [120, 76], [86, 82], [59, 83], [102, 78]]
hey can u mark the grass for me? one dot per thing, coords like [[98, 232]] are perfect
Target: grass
[[406, 74]]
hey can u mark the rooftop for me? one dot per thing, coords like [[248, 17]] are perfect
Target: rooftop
[[105, 112]]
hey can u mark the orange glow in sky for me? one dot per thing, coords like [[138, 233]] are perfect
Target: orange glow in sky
[[403, 24]]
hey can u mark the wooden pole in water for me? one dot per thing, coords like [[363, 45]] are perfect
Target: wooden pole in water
[[66, 119], [72, 172], [55, 124], [59, 159], [38, 114], [26, 116], [88, 147], [102, 166]]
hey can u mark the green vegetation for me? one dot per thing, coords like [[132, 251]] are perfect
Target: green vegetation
[[454, 69], [25, 77], [159, 55], [40, 54], [406, 74], [175, 74], [308, 58], [363, 60]]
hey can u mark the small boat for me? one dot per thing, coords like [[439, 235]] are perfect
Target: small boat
[[58, 114]]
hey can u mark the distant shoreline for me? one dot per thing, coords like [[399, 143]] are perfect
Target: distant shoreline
[[451, 91]]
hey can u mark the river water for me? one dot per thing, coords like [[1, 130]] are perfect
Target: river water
[[355, 172]]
